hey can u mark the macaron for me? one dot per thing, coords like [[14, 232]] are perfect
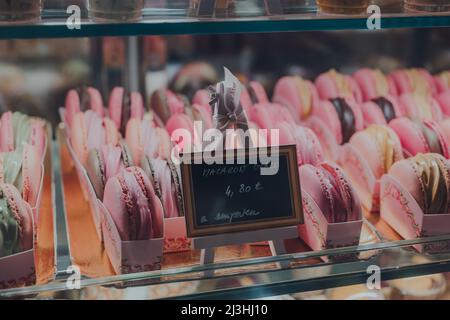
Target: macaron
[[134, 206], [81, 100], [7, 132], [106, 162], [202, 113], [181, 121], [31, 174], [427, 178], [29, 130], [342, 116], [23, 169], [443, 99], [87, 133], [202, 97], [309, 149], [165, 103], [380, 110], [144, 139], [166, 182], [374, 84], [413, 80], [261, 115], [328, 186], [442, 81], [297, 94], [252, 94], [123, 106], [420, 106], [420, 136], [379, 146], [16, 222], [332, 84]]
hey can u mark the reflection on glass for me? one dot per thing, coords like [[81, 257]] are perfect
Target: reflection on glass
[[343, 6], [117, 10], [20, 10], [427, 5]]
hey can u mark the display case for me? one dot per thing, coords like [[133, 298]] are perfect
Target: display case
[[182, 46]]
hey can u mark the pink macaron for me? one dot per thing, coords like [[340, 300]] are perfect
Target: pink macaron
[[124, 106], [442, 81], [413, 80], [420, 137], [330, 189], [166, 181], [379, 146], [81, 100], [134, 206], [297, 94], [7, 133], [374, 84], [166, 103], [443, 99], [145, 139], [342, 116], [427, 178], [202, 113], [87, 133], [252, 94], [179, 127], [332, 85], [201, 97], [31, 174], [420, 106], [381, 110]]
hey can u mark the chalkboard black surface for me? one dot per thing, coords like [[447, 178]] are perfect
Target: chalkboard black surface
[[225, 198]]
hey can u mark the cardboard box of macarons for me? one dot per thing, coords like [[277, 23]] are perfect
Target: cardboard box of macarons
[[26, 229], [366, 144]]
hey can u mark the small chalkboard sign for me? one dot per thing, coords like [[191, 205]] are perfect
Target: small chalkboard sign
[[241, 195]]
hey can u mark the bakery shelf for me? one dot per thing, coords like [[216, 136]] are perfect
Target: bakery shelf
[[254, 278], [53, 25]]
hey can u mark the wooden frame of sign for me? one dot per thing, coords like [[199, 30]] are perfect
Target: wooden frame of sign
[[285, 219]]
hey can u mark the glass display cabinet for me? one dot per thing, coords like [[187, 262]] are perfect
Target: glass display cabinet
[[142, 46]]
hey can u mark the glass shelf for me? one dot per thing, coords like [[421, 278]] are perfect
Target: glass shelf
[[255, 278], [172, 22], [238, 278]]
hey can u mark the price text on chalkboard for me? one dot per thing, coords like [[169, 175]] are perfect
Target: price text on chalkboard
[[225, 198]]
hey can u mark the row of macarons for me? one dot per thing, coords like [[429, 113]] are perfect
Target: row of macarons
[[22, 149]]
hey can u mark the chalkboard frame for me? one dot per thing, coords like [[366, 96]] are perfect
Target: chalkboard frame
[[295, 218]]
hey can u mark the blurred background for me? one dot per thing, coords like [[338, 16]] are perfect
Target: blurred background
[[36, 74]]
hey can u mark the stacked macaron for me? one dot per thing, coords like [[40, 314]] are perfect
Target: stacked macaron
[[379, 146], [112, 144], [22, 149], [427, 178], [299, 96], [16, 222], [421, 137], [330, 189], [442, 81], [134, 206]]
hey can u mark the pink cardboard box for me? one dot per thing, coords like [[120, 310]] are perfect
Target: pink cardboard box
[[86, 186], [402, 212], [361, 177], [319, 234], [129, 256], [175, 235], [327, 139]]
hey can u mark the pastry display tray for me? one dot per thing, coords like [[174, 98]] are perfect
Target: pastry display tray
[[175, 21], [239, 271]]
